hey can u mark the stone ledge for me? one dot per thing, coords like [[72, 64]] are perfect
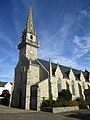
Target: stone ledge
[[59, 109]]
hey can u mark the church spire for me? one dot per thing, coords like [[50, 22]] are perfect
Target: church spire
[[29, 39], [29, 23]]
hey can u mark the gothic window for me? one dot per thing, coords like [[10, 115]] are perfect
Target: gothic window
[[59, 85], [67, 86], [73, 88], [80, 90]]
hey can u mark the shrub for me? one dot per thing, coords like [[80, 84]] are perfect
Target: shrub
[[6, 97], [88, 103], [82, 103], [61, 102], [65, 94], [48, 103], [72, 103]]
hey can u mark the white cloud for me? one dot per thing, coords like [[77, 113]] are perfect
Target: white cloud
[[6, 39], [71, 62], [57, 40], [80, 48], [84, 12], [46, 54], [66, 62], [6, 71], [8, 59], [81, 45], [12, 54], [2, 59], [17, 26], [53, 43]]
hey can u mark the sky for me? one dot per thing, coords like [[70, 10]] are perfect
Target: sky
[[63, 27]]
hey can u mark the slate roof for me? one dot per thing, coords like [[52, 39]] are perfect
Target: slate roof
[[77, 74], [65, 70], [2, 84], [86, 75], [44, 63]]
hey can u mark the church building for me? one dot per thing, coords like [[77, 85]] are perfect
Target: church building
[[36, 79]]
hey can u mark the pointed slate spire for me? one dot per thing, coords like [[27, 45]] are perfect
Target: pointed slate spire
[[29, 23]]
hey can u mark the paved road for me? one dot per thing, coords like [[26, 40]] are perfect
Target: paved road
[[17, 114]]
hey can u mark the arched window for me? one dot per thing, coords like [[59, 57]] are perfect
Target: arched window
[[80, 90], [73, 88], [67, 86], [59, 85], [31, 37]]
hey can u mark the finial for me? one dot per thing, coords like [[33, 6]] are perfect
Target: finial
[[30, 4], [57, 64], [38, 41]]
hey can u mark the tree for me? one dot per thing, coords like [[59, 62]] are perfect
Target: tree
[[6, 97], [66, 94], [82, 103]]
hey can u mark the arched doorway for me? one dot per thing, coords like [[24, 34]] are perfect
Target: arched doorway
[[33, 97]]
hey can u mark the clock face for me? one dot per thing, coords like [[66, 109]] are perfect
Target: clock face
[[31, 52]]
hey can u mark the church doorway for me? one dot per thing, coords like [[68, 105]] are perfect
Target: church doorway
[[33, 98]]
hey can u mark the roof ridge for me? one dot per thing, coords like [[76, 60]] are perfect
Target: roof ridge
[[62, 65]]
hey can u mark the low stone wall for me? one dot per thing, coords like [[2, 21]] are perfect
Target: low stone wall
[[64, 109], [59, 109]]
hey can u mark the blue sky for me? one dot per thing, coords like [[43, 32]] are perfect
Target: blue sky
[[63, 27]]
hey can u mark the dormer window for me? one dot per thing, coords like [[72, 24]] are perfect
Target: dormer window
[[31, 37]]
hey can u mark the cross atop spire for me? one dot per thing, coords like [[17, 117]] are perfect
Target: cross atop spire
[[29, 23]]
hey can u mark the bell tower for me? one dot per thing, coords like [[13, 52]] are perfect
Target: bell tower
[[29, 44]]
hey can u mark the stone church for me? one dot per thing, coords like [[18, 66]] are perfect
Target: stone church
[[37, 79]]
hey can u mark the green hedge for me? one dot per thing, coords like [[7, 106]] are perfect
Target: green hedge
[[64, 97], [48, 103], [60, 102], [65, 94], [82, 103]]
